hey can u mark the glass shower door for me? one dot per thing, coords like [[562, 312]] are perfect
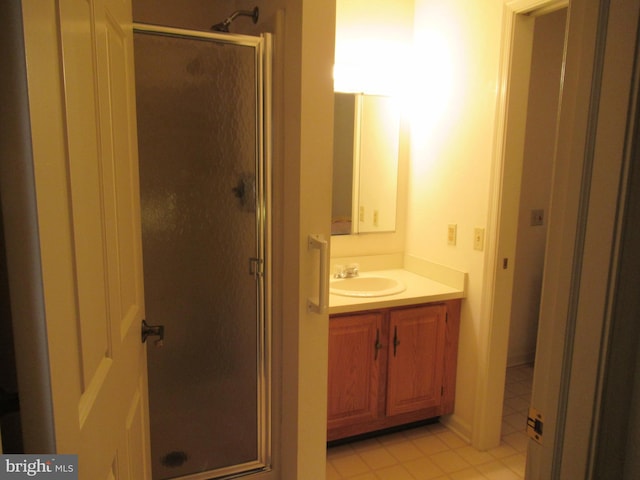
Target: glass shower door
[[200, 135]]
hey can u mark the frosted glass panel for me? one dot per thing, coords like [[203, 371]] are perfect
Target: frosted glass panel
[[196, 104]]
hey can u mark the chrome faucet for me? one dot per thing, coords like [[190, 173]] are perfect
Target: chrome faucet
[[348, 271]]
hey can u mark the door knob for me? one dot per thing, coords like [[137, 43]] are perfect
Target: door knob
[[152, 330]]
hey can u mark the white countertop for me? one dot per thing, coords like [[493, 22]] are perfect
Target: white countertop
[[419, 290]]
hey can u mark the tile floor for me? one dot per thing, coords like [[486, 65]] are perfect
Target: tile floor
[[433, 452]]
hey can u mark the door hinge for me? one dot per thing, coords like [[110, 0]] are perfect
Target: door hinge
[[256, 267], [535, 425]]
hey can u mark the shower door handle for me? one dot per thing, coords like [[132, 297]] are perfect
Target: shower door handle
[[152, 330]]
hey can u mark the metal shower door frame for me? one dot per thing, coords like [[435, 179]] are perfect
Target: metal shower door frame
[[260, 266]]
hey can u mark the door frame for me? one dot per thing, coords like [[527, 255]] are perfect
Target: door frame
[[585, 286], [586, 212], [504, 199], [18, 201]]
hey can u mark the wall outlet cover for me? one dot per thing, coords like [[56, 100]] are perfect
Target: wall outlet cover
[[452, 233]]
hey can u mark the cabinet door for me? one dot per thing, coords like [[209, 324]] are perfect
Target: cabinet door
[[416, 358], [354, 369]]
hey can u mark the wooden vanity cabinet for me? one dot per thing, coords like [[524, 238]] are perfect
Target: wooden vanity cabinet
[[392, 366], [355, 360]]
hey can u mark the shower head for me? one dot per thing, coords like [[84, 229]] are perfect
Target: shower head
[[224, 25]]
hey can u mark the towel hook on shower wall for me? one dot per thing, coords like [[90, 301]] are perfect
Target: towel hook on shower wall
[[224, 25]]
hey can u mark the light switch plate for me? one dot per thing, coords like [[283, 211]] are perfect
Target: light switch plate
[[478, 239], [537, 217]]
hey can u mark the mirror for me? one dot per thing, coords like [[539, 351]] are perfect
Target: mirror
[[365, 163]]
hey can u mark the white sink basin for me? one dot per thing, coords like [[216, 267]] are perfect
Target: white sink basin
[[365, 286]]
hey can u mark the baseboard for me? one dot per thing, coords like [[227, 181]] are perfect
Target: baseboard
[[458, 426], [515, 360]]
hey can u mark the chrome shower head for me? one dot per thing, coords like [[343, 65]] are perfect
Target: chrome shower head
[[224, 25]]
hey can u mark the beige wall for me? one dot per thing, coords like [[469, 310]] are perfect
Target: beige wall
[[453, 135]]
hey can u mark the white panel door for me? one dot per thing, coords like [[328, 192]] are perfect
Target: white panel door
[[82, 107]]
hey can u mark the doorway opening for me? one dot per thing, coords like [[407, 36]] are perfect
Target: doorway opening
[[519, 28], [507, 207], [533, 207]]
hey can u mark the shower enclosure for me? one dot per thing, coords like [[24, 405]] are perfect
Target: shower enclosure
[[202, 106]]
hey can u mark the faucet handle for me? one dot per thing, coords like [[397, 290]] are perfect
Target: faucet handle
[[353, 269]]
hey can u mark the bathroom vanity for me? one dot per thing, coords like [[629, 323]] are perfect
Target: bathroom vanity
[[392, 359]]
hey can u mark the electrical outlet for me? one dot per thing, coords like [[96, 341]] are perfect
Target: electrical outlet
[[375, 218], [452, 232], [478, 239]]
